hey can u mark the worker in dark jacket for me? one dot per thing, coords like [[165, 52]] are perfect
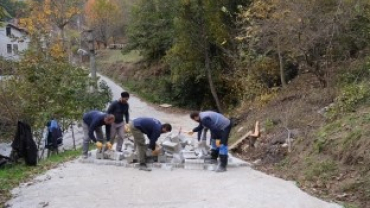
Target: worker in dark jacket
[[220, 128], [92, 122], [153, 129], [118, 108]]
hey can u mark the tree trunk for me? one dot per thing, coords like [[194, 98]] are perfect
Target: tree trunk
[[209, 76], [62, 35], [282, 72], [73, 137], [320, 74], [207, 59]]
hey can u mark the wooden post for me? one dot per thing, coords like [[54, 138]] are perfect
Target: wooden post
[[73, 136]]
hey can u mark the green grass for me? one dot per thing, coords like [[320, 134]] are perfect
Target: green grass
[[347, 205], [269, 124], [323, 170], [143, 91], [115, 56], [351, 138], [132, 57], [12, 175]]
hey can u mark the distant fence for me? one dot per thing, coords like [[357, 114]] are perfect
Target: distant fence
[[117, 46]]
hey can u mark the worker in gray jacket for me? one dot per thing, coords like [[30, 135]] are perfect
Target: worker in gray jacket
[[220, 128], [92, 122], [119, 108]]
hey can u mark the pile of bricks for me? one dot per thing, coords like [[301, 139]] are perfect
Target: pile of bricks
[[177, 151]]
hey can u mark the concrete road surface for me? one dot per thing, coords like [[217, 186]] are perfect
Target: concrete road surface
[[83, 185]]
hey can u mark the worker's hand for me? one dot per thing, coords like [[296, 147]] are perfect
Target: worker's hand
[[218, 142], [127, 128], [156, 151], [190, 133], [99, 145], [109, 146]]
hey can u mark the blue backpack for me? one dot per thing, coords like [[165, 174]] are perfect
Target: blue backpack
[[54, 136]]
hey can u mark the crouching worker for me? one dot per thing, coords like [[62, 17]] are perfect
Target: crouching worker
[[153, 129], [93, 122], [220, 128]]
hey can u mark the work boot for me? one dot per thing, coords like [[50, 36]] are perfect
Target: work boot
[[223, 163], [212, 159], [144, 167], [84, 156]]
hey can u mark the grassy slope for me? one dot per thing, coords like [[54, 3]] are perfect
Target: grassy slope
[[122, 69], [330, 158]]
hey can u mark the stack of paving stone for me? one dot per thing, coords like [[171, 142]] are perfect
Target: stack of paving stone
[[177, 151]]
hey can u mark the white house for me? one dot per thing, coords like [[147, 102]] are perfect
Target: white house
[[13, 40]]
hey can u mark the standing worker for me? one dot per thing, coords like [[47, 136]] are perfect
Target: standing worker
[[92, 122], [153, 129], [118, 108], [220, 128]]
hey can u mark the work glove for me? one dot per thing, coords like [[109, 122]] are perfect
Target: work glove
[[190, 133], [127, 128], [218, 142], [99, 145], [109, 146]]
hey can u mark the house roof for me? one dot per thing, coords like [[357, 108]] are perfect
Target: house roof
[[16, 27]]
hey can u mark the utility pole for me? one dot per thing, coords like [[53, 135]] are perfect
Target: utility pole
[[91, 44]]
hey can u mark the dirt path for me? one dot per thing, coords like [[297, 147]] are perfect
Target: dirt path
[[81, 185]]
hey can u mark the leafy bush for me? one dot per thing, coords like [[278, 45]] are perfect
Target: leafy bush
[[42, 88], [351, 96], [354, 89]]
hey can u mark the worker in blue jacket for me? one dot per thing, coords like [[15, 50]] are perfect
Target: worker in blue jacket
[[92, 122], [220, 128], [119, 108], [153, 129]]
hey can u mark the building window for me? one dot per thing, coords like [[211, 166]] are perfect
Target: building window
[[15, 49], [8, 31], [9, 48]]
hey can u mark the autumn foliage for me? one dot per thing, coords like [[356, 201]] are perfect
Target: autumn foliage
[[103, 16]]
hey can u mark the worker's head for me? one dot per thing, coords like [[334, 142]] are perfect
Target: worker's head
[[195, 116], [166, 128], [109, 119], [124, 97]]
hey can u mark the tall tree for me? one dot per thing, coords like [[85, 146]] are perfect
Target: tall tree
[[204, 45], [44, 83], [15, 9], [44, 19], [63, 12], [3, 14], [151, 28], [318, 35], [103, 16], [271, 28]]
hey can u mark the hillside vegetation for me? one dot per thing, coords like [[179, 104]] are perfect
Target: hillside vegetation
[[300, 67]]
